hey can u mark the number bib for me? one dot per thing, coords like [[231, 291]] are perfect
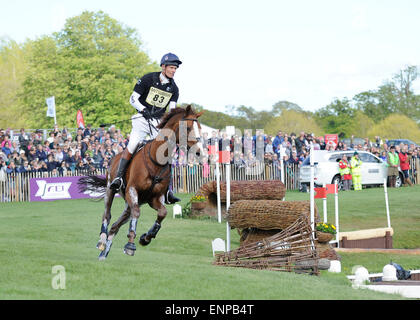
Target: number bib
[[158, 98]]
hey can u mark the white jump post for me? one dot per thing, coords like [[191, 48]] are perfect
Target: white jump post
[[312, 195], [219, 205], [387, 204], [337, 238], [324, 203], [227, 205]]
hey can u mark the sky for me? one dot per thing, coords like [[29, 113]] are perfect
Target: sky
[[253, 53]]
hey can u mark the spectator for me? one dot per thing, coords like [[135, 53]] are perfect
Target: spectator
[[87, 131], [51, 163], [322, 143], [70, 160], [81, 165], [25, 167], [40, 153], [11, 168], [405, 164], [316, 145], [278, 140], [23, 139], [294, 160], [383, 156], [393, 162], [63, 169], [269, 147], [344, 169], [32, 154], [301, 142], [37, 137], [42, 167], [356, 171], [6, 145]]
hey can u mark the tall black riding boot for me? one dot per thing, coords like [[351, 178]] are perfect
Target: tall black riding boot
[[117, 183], [169, 196]]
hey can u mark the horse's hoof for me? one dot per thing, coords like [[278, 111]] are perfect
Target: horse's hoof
[[101, 257], [130, 249], [143, 240], [129, 252], [104, 253], [101, 246]]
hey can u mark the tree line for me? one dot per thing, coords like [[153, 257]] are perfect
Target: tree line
[[95, 60]]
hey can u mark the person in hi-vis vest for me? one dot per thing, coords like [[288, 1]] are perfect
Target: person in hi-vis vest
[[344, 169], [393, 161], [356, 171]]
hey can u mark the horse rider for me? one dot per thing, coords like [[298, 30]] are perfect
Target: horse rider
[[356, 171], [152, 95]]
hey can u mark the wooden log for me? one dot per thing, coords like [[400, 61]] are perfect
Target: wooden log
[[243, 190]]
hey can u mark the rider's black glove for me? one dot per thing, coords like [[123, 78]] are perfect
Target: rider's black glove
[[147, 114]]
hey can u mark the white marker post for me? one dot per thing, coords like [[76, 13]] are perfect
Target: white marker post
[[324, 203], [219, 205], [336, 215], [387, 204], [227, 205], [312, 201]]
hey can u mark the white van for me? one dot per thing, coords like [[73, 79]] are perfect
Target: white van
[[374, 170]]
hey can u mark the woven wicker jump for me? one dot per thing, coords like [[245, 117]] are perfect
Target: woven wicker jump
[[291, 250], [242, 190], [267, 215]]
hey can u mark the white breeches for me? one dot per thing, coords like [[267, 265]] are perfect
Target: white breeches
[[140, 130]]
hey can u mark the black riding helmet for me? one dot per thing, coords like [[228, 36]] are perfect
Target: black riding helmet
[[170, 59]]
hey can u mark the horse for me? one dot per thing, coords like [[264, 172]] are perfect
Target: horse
[[146, 179]]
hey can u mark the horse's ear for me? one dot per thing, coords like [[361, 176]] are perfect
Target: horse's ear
[[188, 109]]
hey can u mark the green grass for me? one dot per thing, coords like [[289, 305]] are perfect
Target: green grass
[[178, 263]]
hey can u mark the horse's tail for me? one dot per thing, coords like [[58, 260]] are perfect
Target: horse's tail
[[95, 184]]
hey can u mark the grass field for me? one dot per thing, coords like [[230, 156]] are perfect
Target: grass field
[[178, 263]]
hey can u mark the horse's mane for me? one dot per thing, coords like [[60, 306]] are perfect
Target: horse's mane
[[169, 115]]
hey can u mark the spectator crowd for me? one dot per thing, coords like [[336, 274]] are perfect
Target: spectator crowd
[[88, 149]]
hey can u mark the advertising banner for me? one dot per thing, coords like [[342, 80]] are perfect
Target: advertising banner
[[57, 188], [331, 140]]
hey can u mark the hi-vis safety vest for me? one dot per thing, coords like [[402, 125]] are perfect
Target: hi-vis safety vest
[[356, 166], [393, 158], [343, 167]]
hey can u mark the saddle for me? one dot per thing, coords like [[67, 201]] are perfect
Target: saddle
[[156, 179]]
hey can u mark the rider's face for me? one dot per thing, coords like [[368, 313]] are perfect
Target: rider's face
[[169, 71]]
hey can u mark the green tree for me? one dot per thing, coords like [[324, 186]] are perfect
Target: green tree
[[282, 105], [293, 121], [336, 117], [12, 68], [92, 65], [395, 96], [396, 126]]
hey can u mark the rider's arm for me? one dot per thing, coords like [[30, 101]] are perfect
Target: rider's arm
[[172, 105], [134, 101]]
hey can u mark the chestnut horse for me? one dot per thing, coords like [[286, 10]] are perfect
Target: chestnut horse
[[146, 179]]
